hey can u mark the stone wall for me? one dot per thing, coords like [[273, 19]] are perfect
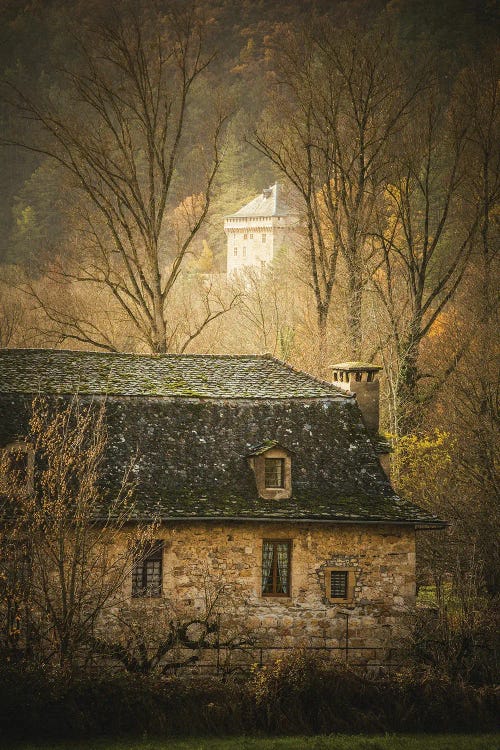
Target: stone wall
[[204, 557]]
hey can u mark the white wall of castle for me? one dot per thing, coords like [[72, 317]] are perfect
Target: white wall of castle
[[253, 242]]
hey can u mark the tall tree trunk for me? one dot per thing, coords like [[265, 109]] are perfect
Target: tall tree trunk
[[354, 308], [407, 395]]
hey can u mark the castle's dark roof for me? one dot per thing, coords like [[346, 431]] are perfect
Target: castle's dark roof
[[268, 203], [194, 420], [199, 376]]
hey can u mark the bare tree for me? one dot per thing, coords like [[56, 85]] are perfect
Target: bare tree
[[14, 320], [135, 107], [68, 527], [11, 319], [478, 102], [265, 315], [426, 236], [169, 637], [340, 98]]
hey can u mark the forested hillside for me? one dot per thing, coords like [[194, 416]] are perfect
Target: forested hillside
[[128, 131]]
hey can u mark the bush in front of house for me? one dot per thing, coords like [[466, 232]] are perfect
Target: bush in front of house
[[302, 693], [298, 694]]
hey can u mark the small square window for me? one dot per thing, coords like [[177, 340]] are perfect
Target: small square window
[[251, 236], [147, 570], [274, 472], [245, 236], [339, 585], [276, 567]]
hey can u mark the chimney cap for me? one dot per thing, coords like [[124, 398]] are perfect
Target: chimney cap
[[357, 367]]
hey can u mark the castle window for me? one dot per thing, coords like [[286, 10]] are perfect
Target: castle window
[[244, 252], [147, 570], [17, 462], [339, 585], [245, 236], [251, 236], [276, 567], [274, 472], [235, 251], [263, 238]]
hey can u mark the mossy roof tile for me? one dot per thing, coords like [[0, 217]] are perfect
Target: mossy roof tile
[[189, 376]]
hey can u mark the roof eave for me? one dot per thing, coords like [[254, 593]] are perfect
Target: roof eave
[[421, 525]]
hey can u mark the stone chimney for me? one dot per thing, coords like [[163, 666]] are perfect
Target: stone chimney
[[361, 378]]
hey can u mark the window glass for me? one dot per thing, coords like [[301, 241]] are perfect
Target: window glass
[[276, 568], [16, 467], [17, 462], [338, 584], [274, 472], [147, 570]]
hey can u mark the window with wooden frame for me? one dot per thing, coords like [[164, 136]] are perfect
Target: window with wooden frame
[[17, 463], [15, 564], [147, 571], [339, 584], [274, 472], [276, 567]]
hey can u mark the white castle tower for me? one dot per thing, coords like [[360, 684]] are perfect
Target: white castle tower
[[257, 231]]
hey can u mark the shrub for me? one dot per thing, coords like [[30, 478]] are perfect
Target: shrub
[[298, 694]]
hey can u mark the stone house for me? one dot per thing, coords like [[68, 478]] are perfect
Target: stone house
[[262, 476], [258, 231]]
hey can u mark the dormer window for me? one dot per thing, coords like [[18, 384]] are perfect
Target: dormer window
[[272, 466], [17, 464]]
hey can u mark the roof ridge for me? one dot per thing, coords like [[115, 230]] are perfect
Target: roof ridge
[[340, 391], [135, 354]]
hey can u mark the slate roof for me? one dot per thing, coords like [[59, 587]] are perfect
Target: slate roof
[[268, 203], [193, 420], [320, 508], [175, 375]]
